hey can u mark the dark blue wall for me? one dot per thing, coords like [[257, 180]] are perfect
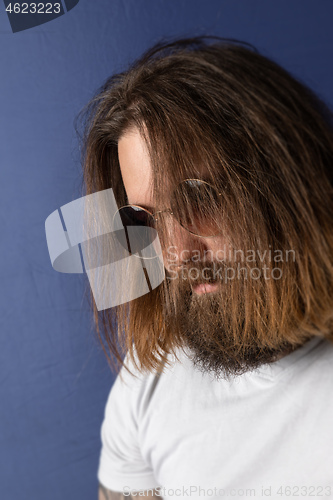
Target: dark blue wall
[[54, 379]]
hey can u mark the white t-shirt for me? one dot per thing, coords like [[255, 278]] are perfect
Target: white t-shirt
[[267, 433]]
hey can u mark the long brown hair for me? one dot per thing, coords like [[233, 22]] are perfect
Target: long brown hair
[[267, 142]]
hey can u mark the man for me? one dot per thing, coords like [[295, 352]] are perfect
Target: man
[[230, 158]]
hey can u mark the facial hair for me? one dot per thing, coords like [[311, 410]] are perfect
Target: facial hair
[[206, 325]]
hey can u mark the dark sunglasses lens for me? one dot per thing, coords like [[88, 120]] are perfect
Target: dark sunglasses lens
[[135, 216], [139, 231], [195, 204]]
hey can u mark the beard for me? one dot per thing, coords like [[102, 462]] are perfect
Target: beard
[[212, 325]]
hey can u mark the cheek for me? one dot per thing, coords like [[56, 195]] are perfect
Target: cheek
[[170, 259]]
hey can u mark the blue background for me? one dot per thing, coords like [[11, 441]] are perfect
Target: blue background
[[54, 379]]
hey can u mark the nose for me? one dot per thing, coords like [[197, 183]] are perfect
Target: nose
[[180, 246]]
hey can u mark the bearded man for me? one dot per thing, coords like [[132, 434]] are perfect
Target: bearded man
[[226, 386]]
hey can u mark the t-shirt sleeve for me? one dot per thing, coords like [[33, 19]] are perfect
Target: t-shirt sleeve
[[121, 464]]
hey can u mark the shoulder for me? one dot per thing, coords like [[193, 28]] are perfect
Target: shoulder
[[127, 409], [133, 389]]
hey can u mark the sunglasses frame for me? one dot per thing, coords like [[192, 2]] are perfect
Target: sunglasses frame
[[169, 210]]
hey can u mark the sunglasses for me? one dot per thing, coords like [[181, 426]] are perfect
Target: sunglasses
[[191, 203]]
